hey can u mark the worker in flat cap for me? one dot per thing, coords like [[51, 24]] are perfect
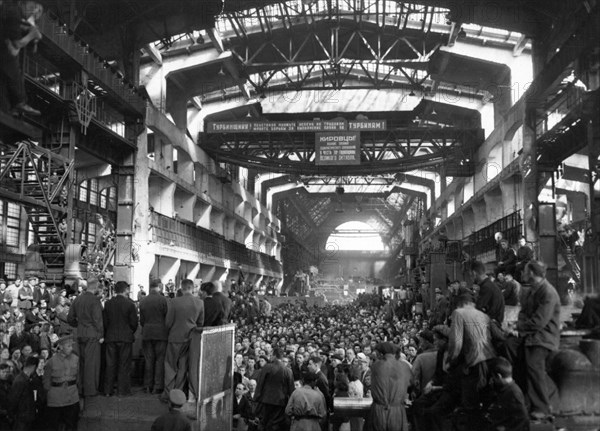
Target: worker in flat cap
[[441, 394], [390, 380], [174, 420], [60, 382]]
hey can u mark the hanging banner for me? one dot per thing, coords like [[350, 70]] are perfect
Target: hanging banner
[[294, 126], [337, 148]]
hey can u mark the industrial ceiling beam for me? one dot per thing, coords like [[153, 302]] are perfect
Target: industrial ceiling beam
[[398, 150]]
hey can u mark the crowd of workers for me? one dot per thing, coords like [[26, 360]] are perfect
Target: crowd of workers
[[424, 363]]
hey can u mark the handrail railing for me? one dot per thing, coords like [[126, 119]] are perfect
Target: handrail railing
[[483, 242], [79, 51], [570, 97], [72, 91], [169, 231]]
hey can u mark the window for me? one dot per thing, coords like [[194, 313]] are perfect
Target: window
[[103, 198], [9, 269], [93, 184], [83, 191], [13, 222], [112, 199], [91, 233], [175, 159]]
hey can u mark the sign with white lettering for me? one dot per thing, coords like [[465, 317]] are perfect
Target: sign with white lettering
[[294, 126], [337, 148]]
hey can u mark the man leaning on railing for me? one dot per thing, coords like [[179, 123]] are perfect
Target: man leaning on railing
[[17, 30]]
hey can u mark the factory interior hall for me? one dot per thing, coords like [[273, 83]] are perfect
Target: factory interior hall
[[329, 159]]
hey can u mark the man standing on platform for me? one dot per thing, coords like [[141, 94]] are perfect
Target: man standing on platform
[[86, 314], [217, 306], [469, 349], [121, 322], [184, 313], [153, 312], [60, 383], [538, 327], [274, 387]]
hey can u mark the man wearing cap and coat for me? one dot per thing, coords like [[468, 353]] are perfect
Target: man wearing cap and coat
[[86, 315], [60, 383], [121, 322], [390, 379], [174, 420], [153, 312], [184, 314]]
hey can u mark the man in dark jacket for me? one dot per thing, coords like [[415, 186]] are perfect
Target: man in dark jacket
[[274, 387], [21, 398], [184, 313], [120, 321], [538, 328], [314, 366], [490, 299], [524, 255], [86, 315], [41, 293], [507, 259], [217, 306], [153, 312]]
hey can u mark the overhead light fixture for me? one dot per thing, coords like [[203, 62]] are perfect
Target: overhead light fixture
[[200, 40], [412, 93], [461, 34], [262, 95], [221, 72], [433, 112], [249, 115]]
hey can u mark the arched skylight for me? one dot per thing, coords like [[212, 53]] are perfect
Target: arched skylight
[[355, 235]]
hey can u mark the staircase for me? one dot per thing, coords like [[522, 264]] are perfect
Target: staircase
[[569, 257], [36, 178]]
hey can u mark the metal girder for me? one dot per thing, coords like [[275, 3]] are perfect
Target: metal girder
[[302, 211], [347, 39], [403, 211], [382, 152]]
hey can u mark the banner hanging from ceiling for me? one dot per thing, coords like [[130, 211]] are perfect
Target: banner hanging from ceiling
[[295, 126]]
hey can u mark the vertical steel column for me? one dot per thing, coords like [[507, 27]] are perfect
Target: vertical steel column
[[592, 239], [125, 209]]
